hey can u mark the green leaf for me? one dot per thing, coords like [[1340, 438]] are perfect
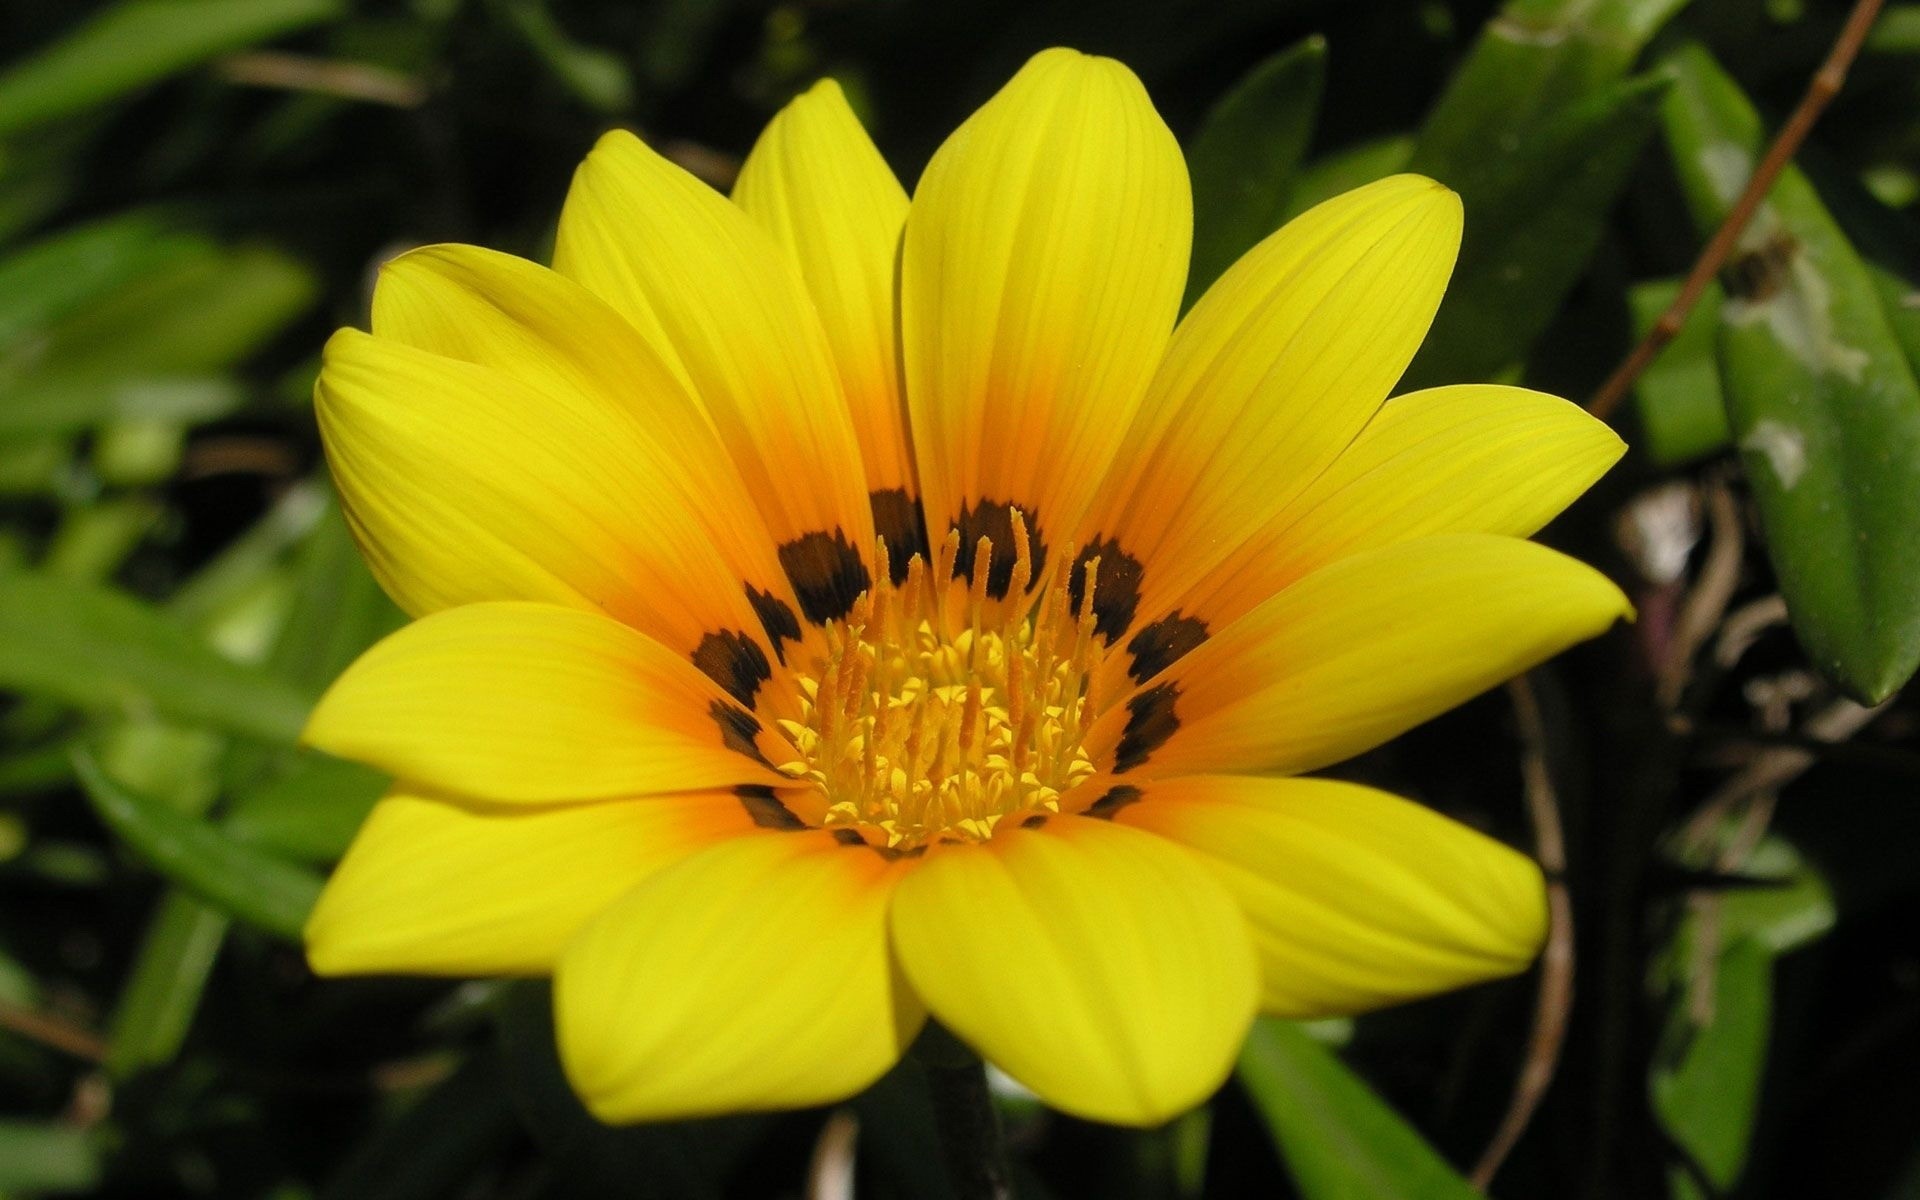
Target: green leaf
[[1531, 227], [125, 326], [309, 812], [28, 197], [1535, 58], [339, 609], [1706, 1077], [1897, 31], [33, 465], [138, 42], [1797, 908], [597, 78], [1245, 155], [100, 649], [1538, 133], [1888, 243], [17, 985], [76, 401], [1821, 399], [163, 992], [1682, 413], [172, 763], [59, 275], [46, 1158], [92, 542], [1707, 1073], [241, 881], [1339, 1140], [152, 347], [1346, 169]]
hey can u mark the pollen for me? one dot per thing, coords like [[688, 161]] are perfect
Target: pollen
[[938, 712]]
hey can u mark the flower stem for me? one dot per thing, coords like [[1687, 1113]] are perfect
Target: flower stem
[[963, 1112]]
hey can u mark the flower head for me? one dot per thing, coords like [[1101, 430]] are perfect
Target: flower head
[[835, 610]]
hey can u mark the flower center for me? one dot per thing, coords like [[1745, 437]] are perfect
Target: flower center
[[939, 712]]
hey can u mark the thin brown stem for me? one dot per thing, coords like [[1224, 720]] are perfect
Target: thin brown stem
[[1743, 628], [1820, 92], [1773, 769], [1555, 999], [327, 77], [830, 1174], [1707, 603], [52, 1031]]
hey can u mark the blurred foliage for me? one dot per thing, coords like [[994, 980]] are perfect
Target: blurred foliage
[[193, 192]]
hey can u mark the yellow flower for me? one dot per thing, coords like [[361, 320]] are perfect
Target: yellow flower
[[698, 718]]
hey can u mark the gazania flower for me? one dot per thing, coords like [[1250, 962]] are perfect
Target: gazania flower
[[836, 611]]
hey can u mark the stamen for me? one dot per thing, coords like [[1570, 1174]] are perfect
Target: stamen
[[1022, 559], [944, 559], [916, 733]]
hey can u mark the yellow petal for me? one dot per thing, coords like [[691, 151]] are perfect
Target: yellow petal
[[714, 290], [1041, 272], [1102, 968], [1358, 652], [435, 886], [530, 703], [645, 464], [754, 975], [1270, 376], [815, 182], [464, 484], [1357, 899], [1476, 458]]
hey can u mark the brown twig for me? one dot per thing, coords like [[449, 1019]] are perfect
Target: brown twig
[[1759, 792], [1820, 92], [1555, 1000], [1705, 605], [1743, 628], [830, 1173], [703, 162], [411, 1074], [239, 454], [327, 77], [1703, 959], [1773, 769], [1756, 788], [52, 1031]]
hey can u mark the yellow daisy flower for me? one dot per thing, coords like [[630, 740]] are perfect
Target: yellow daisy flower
[[836, 611]]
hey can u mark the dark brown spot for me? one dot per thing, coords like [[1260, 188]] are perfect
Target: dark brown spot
[[1150, 722], [1163, 643], [735, 662], [1035, 821], [776, 617], [897, 518], [765, 807], [1759, 274], [827, 573], [847, 837], [1115, 799], [993, 520], [1116, 588], [738, 729]]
